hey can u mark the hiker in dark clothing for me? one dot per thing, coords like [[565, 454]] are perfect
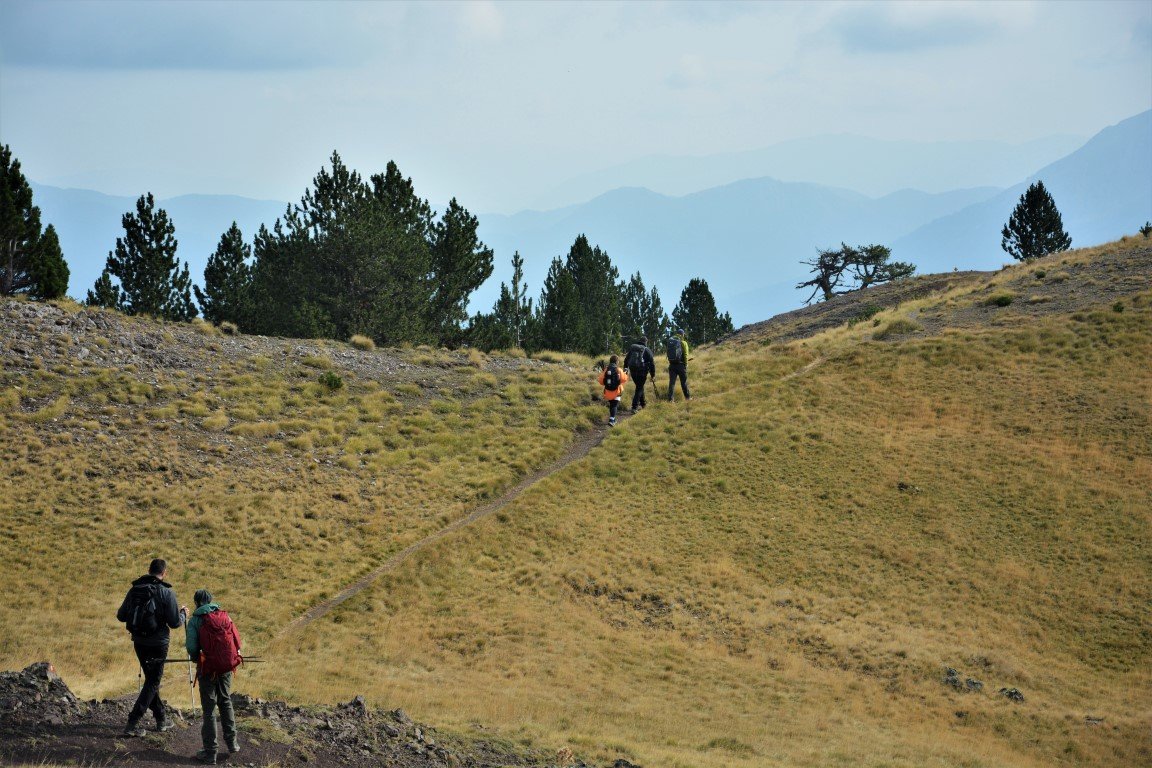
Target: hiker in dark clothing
[[215, 684], [640, 364], [677, 348], [149, 609]]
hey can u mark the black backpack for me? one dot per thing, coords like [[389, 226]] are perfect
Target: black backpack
[[675, 350], [612, 378], [634, 361], [143, 610]]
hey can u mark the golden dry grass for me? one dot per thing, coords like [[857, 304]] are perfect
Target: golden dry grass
[[778, 575]]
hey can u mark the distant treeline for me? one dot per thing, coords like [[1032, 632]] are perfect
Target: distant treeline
[[354, 257]]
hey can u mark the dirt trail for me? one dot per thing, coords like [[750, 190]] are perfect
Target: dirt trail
[[584, 443], [577, 450]]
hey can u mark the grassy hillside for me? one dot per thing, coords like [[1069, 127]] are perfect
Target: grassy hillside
[[779, 575]]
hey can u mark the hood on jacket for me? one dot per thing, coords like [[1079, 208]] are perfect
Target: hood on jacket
[[150, 579], [206, 609]]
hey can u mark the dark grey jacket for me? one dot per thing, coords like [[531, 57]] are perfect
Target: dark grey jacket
[[167, 611]]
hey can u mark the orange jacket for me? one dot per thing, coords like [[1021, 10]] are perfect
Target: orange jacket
[[614, 394]]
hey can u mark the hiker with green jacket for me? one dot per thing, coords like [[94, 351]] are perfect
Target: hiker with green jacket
[[214, 644], [677, 349]]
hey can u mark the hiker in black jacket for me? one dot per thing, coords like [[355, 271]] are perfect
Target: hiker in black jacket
[[149, 609], [641, 364]]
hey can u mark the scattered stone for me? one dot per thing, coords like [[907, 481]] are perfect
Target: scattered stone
[[1013, 694]]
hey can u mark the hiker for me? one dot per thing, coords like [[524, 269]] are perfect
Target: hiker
[[612, 379], [640, 364], [677, 349], [149, 610], [214, 644]]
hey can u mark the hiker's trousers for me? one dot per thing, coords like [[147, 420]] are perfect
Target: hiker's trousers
[[216, 692], [149, 698], [640, 378], [678, 371]]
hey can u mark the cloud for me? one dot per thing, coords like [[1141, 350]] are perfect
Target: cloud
[[691, 71], [909, 27], [190, 36], [482, 20]]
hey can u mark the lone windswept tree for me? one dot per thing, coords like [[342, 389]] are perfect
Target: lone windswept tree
[[696, 314], [30, 259], [151, 279], [852, 268], [1035, 228], [227, 279]]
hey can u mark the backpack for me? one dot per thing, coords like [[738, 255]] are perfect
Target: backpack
[[219, 644], [675, 350], [142, 611], [612, 378], [634, 360]]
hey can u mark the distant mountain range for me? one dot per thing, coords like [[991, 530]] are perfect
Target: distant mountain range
[[746, 238], [874, 167]]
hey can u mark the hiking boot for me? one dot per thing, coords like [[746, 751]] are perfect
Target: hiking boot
[[233, 746], [208, 758], [165, 725], [612, 421], [134, 730]]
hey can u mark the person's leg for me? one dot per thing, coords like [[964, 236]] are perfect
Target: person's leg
[[149, 698], [612, 406], [636, 395], [684, 382], [671, 381], [641, 380], [227, 715], [208, 705]]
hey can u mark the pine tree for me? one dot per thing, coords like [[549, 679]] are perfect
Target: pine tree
[[31, 261], [1035, 228], [104, 293], [559, 315], [643, 314], [696, 314], [227, 279], [596, 282], [460, 264], [47, 268], [145, 264]]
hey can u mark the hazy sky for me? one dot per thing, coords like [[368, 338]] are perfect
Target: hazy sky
[[495, 101]]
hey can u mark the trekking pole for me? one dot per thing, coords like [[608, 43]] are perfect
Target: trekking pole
[[191, 685]]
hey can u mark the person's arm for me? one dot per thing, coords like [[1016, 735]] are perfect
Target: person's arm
[[623, 377], [685, 343], [650, 361], [192, 637], [171, 610], [603, 373], [122, 611]]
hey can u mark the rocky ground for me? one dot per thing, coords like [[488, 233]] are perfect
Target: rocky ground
[[43, 724]]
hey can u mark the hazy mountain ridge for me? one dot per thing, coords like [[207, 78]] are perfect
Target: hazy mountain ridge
[[747, 238]]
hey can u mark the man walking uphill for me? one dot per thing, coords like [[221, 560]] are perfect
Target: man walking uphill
[[149, 610], [214, 644], [640, 365], [677, 348]]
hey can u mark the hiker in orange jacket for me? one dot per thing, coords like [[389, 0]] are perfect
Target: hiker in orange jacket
[[612, 379]]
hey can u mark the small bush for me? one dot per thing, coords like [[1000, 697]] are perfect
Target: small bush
[[1146, 230], [1001, 299], [228, 328], [1040, 274], [867, 313], [476, 358], [897, 327], [1118, 306], [362, 342], [331, 380]]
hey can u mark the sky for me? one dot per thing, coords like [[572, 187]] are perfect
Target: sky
[[493, 102]]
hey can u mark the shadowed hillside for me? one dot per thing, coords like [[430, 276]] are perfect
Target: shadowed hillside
[[907, 527]]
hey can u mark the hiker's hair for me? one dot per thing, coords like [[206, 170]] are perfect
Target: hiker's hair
[[643, 339], [202, 597], [612, 360], [157, 567]]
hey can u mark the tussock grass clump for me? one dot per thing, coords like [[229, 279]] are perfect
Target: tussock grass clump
[[229, 328], [1001, 299], [203, 327], [898, 327], [362, 342]]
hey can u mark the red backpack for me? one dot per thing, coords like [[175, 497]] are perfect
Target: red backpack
[[219, 644]]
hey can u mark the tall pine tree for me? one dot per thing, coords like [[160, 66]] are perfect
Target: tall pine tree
[[460, 264], [151, 280], [696, 314], [31, 261], [227, 279], [1035, 228]]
